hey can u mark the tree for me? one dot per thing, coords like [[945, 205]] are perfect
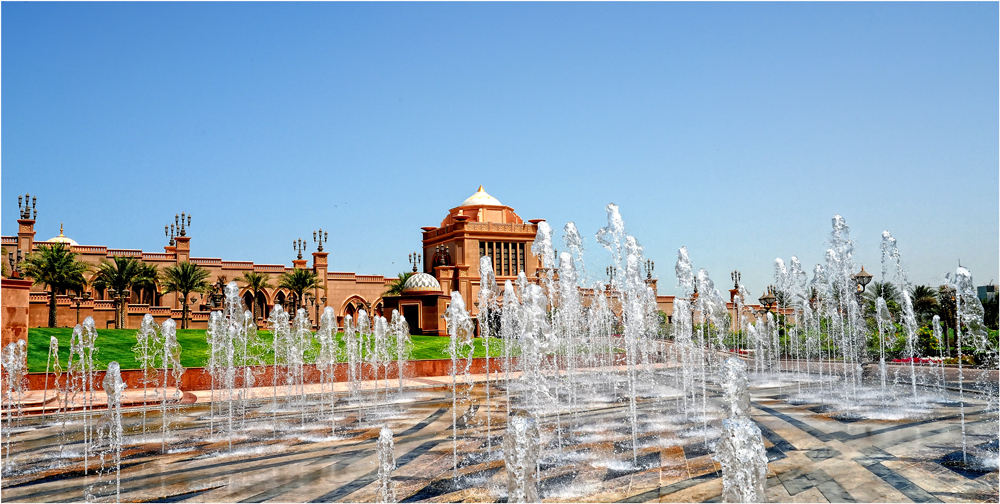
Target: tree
[[148, 279], [990, 312], [185, 278], [256, 282], [396, 287], [925, 302], [947, 309], [55, 267], [122, 275], [299, 281], [885, 290]]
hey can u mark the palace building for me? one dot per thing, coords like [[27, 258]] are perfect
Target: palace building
[[479, 226]]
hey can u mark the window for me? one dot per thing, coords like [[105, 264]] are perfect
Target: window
[[507, 257]]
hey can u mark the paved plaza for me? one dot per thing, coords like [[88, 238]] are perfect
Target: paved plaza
[[282, 454]]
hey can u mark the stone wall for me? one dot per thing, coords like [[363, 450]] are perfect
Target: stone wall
[[14, 300]]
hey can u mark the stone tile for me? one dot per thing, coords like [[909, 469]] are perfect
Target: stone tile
[[811, 495]]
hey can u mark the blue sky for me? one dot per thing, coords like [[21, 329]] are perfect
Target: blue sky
[[737, 130]]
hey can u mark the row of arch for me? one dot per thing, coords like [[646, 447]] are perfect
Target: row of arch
[[351, 306], [264, 302]]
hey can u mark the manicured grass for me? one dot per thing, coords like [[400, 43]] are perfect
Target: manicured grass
[[116, 345]]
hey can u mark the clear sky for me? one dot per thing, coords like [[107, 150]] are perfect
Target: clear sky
[[737, 130]]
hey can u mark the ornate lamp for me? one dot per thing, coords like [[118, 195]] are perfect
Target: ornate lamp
[[299, 246], [414, 260], [320, 237], [861, 279], [78, 300], [767, 299], [179, 222]]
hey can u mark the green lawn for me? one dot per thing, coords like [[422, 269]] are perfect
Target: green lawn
[[116, 345]]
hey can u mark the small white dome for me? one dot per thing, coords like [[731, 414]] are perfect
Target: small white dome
[[62, 238], [481, 198], [421, 282]]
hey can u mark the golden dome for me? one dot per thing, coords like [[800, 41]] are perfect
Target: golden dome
[[62, 238], [480, 198]]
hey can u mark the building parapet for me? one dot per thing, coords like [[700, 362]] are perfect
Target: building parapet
[[90, 249], [502, 227], [125, 253], [206, 261], [238, 265], [269, 268], [340, 276], [370, 278], [443, 230], [8, 240], [158, 256]]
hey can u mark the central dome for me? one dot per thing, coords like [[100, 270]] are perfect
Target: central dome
[[62, 238], [421, 282], [480, 198]]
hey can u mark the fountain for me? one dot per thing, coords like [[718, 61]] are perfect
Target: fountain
[[520, 446], [460, 332], [82, 348], [386, 464], [401, 330], [170, 367], [14, 363], [327, 359], [593, 403], [145, 352], [112, 429], [740, 450]]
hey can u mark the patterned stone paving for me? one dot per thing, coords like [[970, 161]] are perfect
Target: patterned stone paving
[[278, 457]]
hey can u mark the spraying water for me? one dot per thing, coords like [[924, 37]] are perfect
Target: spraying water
[[114, 387], [170, 365], [326, 361], [460, 332], [386, 464], [145, 352], [740, 451], [14, 364], [521, 450]]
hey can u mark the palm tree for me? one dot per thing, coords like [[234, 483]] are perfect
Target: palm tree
[[122, 275], [947, 309], [396, 287], [885, 290], [148, 280], [185, 278], [925, 302], [256, 282], [56, 267], [299, 281]]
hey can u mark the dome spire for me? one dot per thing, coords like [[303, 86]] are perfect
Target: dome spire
[[480, 198]]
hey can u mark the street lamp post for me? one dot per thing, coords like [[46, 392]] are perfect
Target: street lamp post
[[310, 300], [299, 246], [320, 237], [861, 279], [78, 300]]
